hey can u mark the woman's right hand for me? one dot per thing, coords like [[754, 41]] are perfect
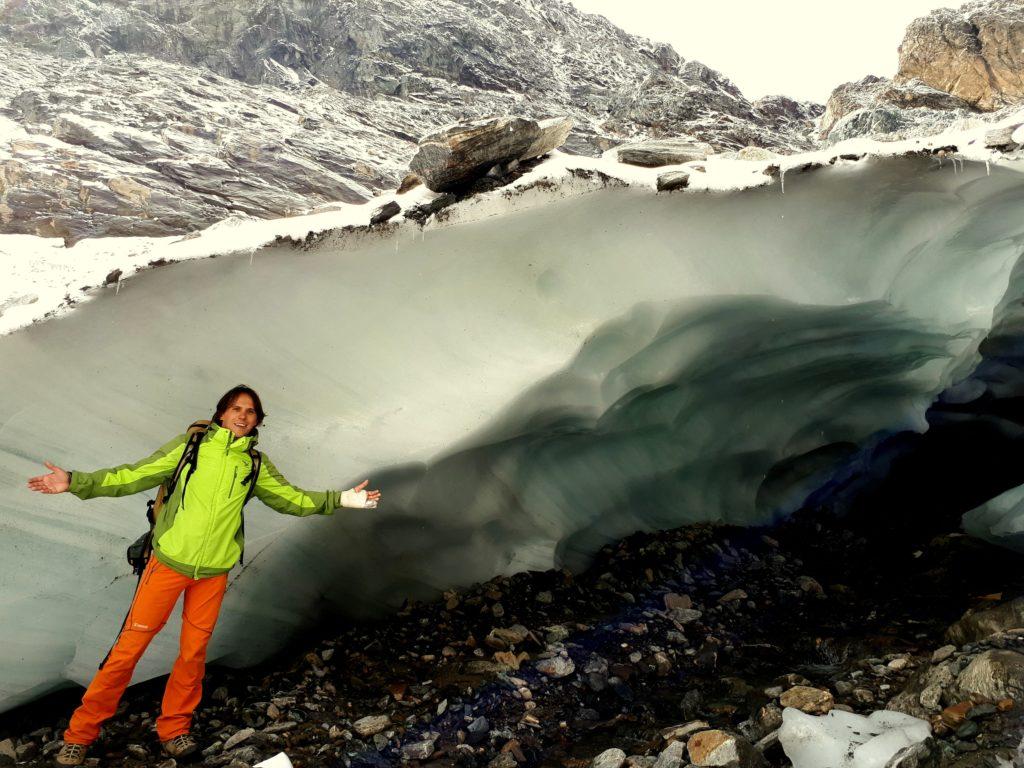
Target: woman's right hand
[[57, 481]]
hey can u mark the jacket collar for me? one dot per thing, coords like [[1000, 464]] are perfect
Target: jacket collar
[[218, 435]]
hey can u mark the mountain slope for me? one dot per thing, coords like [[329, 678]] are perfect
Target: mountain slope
[[158, 117]]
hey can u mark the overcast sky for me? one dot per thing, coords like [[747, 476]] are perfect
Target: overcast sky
[[800, 48]]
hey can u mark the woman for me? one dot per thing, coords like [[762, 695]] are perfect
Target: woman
[[197, 539]]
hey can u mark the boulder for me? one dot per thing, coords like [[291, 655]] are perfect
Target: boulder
[[370, 725], [994, 675], [1002, 138], [384, 212], [658, 152], [813, 701], [673, 600], [418, 750], [610, 758], [673, 180], [732, 596], [721, 748], [671, 756], [974, 626], [556, 666], [455, 157], [924, 754]]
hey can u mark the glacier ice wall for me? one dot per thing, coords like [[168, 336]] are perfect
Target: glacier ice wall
[[522, 387]]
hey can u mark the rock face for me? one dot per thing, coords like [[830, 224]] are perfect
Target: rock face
[[888, 107], [452, 158], [975, 53], [160, 118], [697, 101], [953, 64]]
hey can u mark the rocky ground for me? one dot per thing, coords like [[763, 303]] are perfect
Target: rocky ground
[[669, 645]]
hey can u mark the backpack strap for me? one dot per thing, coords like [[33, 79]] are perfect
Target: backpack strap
[[250, 480], [254, 473], [196, 431]]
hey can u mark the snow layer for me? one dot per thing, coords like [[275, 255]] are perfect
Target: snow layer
[[44, 278], [845, 740], [547, 368]]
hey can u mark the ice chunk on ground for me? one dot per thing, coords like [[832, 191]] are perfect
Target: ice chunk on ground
[[280, 760], [845, 740]]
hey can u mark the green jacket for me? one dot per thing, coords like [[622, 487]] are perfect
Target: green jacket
[[200, 534]]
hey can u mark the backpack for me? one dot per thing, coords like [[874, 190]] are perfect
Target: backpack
[[141, 549]]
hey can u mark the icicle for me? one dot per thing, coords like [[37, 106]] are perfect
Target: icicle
[[252, 252], [782, 179], [988, 170], [117, 287]]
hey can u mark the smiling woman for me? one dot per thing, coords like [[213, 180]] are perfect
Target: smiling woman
[[240, 410], [198, 537]]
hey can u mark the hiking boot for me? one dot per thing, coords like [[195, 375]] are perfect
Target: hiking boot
[[71, 754], [181, 746]]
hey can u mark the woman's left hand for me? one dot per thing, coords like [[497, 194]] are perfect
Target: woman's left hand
[[357, 498]]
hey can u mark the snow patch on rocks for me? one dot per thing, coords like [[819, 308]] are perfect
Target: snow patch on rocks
[[61, 277]]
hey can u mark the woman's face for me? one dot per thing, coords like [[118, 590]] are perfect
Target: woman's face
[[240, 416]]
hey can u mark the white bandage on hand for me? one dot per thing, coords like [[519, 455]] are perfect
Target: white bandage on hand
[[354, 499]]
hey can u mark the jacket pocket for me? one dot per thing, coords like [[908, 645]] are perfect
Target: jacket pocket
[[183, 541]]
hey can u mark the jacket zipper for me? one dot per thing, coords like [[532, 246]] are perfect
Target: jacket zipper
[[209, 527]]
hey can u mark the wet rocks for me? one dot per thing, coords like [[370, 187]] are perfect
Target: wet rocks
[[672, 756], [452, 158], [237, 738], [813, 701], [655, 153], [503, 638], [610, 758], [371, 724], [557, 666], [418, 750], [732, 596]]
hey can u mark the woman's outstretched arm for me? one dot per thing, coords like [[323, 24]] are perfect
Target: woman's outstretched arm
[[281, 496], [116, 481]]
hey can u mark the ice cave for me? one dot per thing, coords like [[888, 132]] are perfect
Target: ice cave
[[548, 367]]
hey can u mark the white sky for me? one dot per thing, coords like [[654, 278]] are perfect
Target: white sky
[[800, 48]]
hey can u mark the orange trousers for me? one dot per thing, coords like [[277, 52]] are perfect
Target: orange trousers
[[158, 591]]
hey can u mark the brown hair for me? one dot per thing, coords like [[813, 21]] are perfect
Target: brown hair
[[229, 397]]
